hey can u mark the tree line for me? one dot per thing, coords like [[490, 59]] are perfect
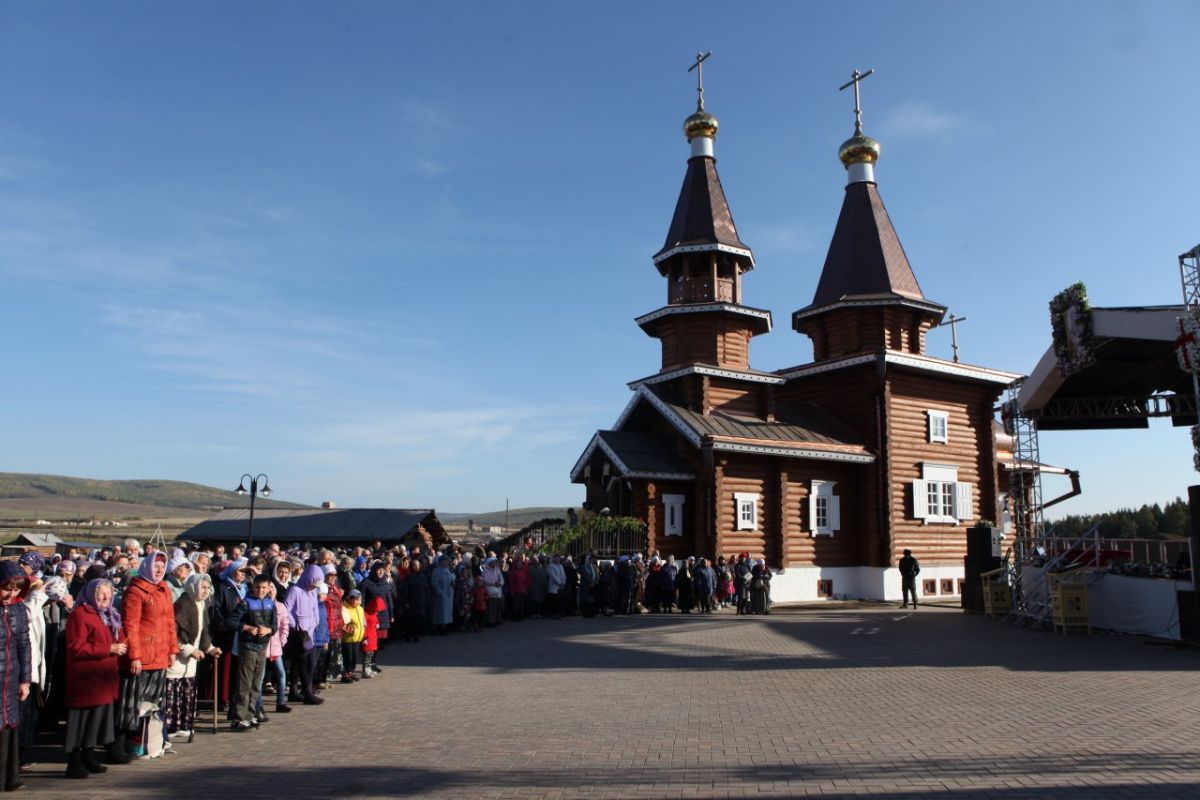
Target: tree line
[[1147, 522]]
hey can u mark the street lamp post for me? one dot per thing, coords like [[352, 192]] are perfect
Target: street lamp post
[[266, 492]]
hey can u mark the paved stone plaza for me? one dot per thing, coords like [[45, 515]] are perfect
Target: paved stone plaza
[[829, 703]]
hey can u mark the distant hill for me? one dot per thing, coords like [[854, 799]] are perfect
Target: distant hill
[[58, 497], [517, 517]]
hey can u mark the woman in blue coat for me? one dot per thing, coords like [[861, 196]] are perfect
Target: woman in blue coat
[[441, 584]]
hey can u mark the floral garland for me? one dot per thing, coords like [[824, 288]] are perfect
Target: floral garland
[[1074, 343], [1187, 345]]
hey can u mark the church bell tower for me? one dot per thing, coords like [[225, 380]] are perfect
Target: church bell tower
[[703, 260]]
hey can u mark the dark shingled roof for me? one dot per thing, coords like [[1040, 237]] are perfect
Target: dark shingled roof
[[796, 424], [702, 215], [646, 452], [865, 256], [316, 525]]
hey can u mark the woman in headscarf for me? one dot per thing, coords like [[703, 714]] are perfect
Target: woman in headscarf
[[149, 615], [179, 569], [685, 587], [441, 585], [518, 586], [35, 601], [704, 583], [464, 585], [760, 588], [537, 586], [588, 576], [191, 634], [69, 571], [493, 583], [58, 606], [416, 600], [94, 641], [303, 606]]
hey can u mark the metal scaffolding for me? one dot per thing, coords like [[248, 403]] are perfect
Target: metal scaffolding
[[1189, 278], [1025, 491]]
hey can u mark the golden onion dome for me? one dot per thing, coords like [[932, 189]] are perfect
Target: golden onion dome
[[859, 149], [700, 124]]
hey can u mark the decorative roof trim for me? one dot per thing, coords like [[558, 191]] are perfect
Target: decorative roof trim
[[794, 452], [670, 416], [702, 248], [951, 368], [629, 407], [715, 372], [891, 300], [626, 472], [700, 308], [587, 453], [827, 366], [908, 360]]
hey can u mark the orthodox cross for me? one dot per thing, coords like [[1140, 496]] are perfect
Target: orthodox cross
[[699, 67], [952, 321], [855, 77]]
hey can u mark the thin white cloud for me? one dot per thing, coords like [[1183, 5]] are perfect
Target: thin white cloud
[[920, 120], [428, 120], [429, 167]]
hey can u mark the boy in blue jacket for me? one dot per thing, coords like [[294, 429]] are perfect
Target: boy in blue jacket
[[254, 620]]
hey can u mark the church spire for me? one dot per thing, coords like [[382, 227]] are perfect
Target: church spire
[[860, 152], [867, 297], [703, 260], [702, 220]]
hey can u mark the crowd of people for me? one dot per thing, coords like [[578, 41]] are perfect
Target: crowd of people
[[121, 643]]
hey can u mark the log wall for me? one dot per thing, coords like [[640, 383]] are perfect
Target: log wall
[[969, 448]]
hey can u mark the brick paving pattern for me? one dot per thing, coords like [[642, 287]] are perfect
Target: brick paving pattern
[[829, 703]]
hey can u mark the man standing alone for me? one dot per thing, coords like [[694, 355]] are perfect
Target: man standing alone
[[909, 569]]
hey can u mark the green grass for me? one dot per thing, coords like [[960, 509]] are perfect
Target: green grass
[[43, 489]]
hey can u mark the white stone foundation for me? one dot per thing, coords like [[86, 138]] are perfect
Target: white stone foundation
[[799, 584]]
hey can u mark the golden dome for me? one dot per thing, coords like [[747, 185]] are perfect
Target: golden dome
[[859, 149], [700, 124]]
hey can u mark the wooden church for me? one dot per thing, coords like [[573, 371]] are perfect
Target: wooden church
[[829, 469]]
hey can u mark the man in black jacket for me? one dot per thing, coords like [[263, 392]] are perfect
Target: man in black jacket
[[909, 569]]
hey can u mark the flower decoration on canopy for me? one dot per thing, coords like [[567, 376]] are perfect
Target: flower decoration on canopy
[[1071, 321], [1187, 345]]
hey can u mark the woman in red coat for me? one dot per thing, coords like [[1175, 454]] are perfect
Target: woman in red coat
[[93, 644], [149, 616]]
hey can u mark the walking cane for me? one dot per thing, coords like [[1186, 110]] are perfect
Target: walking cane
[[216, 689]]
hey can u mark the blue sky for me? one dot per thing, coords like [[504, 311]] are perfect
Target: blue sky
[[391, 254]]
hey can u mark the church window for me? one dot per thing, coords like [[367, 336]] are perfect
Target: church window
[[673, 508], [824, 509], [938, 496], [939, 426], [747, 511]]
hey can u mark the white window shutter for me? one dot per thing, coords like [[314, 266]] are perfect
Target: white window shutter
[[835, 512], [812, 511], [962, 501], [920, 499]]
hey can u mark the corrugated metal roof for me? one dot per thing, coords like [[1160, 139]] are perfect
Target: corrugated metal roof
[[37, 539], [314, 525], [865, 255], [797, 424], [702, 214], [644, 453]]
